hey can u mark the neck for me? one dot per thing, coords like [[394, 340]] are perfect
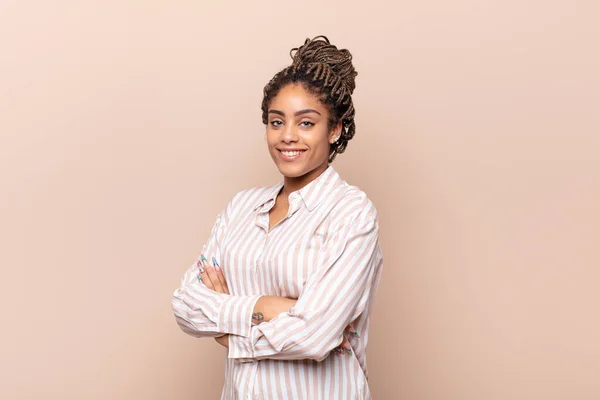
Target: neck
[[291, 184]]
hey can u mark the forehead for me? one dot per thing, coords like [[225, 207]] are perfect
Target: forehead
[[294, 97]]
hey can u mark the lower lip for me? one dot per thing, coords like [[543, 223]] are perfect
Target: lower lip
[[290, 158]]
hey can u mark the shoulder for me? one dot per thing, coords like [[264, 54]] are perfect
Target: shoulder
[[355, 206]]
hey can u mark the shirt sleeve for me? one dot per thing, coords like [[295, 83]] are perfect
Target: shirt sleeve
[[200, 311], [337, 293]]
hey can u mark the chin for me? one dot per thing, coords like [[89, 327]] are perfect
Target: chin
[[292, 171]]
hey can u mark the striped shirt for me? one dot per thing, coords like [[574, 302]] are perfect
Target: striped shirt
[[325, 252]]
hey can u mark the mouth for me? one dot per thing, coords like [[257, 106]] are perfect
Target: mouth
[[290, 155]]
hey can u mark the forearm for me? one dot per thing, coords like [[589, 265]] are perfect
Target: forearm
[[196, 315], [200, 311], [269, 307], [265, 309], [329, 302], [293, 335]]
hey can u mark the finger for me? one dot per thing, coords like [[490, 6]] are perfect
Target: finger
[[202, 273], [212, 275], [346, 346], [349, 329], [209, 275], [222, 280], [341, 349], [220, 275], [338, 349]]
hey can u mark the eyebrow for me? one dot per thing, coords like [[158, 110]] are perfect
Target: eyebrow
[[306, 111]]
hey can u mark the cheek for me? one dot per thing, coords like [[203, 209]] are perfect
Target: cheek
[[317, 139], [271, 142], [270, 138]]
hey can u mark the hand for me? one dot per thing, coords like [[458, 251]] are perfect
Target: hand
[[346, 347], [223, 340], [212, 275]]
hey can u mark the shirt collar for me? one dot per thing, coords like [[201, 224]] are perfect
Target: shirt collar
[[311, 194]]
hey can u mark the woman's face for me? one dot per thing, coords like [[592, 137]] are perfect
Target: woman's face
[[297, 133]]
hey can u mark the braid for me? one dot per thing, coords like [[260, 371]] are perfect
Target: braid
[[327, 72]]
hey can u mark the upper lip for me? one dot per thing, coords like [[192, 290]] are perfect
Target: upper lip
[[291, 149]]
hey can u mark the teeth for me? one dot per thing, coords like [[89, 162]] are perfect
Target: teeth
[[291, 153]]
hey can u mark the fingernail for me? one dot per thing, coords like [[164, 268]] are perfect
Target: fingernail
[[202, 257], [215, 263], [350, 352]]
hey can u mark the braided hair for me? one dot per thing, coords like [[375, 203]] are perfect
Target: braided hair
[[326, 72]]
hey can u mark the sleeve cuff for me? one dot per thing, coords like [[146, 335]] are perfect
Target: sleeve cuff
[[240, 348], [235, 314]]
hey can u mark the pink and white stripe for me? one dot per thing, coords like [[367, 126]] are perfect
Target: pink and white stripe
[[325, 252]]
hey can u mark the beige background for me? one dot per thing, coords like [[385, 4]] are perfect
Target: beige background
[[127, 125]]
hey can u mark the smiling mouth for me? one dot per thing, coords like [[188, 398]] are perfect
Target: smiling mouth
[[291, 153]]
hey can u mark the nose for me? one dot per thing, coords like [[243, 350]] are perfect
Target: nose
[[289, 134]]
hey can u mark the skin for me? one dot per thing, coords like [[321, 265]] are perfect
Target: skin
[[297, 120], [308, 131]]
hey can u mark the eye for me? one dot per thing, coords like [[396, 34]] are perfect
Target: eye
[[276, 123], [307, 124]]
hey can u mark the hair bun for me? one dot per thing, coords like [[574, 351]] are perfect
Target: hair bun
[[320, 51]]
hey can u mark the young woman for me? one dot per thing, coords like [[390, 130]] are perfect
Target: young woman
[[287, 278]]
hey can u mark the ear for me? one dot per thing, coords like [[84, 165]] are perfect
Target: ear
[[335, 132]]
